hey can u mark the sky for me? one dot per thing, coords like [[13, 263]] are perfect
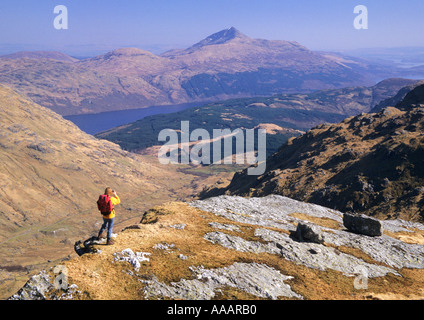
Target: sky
[[96, 26]]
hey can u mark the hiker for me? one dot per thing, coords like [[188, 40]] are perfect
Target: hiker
[[106, 204]]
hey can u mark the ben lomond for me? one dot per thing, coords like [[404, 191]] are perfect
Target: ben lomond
[[224, 65]]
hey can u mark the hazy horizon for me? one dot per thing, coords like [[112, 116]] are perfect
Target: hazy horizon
[[92, 50], [98, 26]]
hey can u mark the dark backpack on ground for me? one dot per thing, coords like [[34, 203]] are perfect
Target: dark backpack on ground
[[104, 204]]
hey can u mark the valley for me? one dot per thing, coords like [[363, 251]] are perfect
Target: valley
[[158, 211], [370, 163], [285, 115], [338, 144]]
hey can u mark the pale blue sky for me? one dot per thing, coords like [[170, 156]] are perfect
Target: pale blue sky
[[158, 25]]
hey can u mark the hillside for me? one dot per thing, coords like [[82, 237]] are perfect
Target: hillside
[[393, 101], [370, 163], [233, 248], [230, 247], [291, 113], [225, 65], [51, 55], [51, 175]]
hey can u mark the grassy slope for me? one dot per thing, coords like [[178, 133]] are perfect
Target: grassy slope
[[51, 175]]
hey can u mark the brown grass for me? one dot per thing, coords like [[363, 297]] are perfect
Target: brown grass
[[95, 272], [414, 237], [323, 222]]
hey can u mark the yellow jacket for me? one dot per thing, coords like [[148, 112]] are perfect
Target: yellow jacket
[[115, 202]]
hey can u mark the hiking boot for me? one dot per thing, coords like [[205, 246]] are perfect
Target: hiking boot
[[110, 242], [101, 236]]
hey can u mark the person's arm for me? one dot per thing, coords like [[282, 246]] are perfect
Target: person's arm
[[115, 199]]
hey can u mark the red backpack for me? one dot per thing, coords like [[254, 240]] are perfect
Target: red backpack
[[104, 204]]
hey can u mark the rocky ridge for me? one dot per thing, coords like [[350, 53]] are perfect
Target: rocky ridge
[[248, 248], [369, 163]]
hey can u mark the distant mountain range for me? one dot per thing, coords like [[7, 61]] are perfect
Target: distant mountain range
[[50, 55], [370, 163], [227, 64]]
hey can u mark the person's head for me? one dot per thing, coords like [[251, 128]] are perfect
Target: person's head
[[108, 191]]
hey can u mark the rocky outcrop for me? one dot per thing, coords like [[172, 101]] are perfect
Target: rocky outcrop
[[280, 212], [42, 287], [305, 243], [263, 248], [35, 289], [134, 259], [400, 96], [308, 232], [256, 279]]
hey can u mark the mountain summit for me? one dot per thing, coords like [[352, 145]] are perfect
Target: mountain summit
[[226, 64], [221, 37]]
